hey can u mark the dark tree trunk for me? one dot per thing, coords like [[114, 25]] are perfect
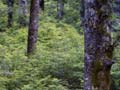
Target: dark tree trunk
[[33, 26], [82, 9], [60, 9], [23, 12], [98, 44], [42, 4], [10, 4]]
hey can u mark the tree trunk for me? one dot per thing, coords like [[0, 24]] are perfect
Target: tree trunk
[[33, 26], [60, 9], [23, 12], [10, 4], [98, 44], [42, 4], [82, 9]]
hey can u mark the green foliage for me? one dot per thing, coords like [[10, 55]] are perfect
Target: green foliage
[[71, 12], [57, 60]]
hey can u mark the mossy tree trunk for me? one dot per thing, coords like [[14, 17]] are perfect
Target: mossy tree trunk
[[10, 4], [98, 44], [33, 26]]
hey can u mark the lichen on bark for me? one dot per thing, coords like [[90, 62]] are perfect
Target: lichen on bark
[[98, 44]]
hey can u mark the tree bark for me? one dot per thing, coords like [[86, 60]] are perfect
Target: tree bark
[[33, 26], [82, 9], [60, 9], [10, 4], [42, 2], [23, 12], [98, 44]]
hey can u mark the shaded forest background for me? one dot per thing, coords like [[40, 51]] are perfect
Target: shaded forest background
[[59, 59]]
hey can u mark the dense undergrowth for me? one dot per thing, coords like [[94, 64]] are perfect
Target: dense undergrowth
[[57, 64]]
